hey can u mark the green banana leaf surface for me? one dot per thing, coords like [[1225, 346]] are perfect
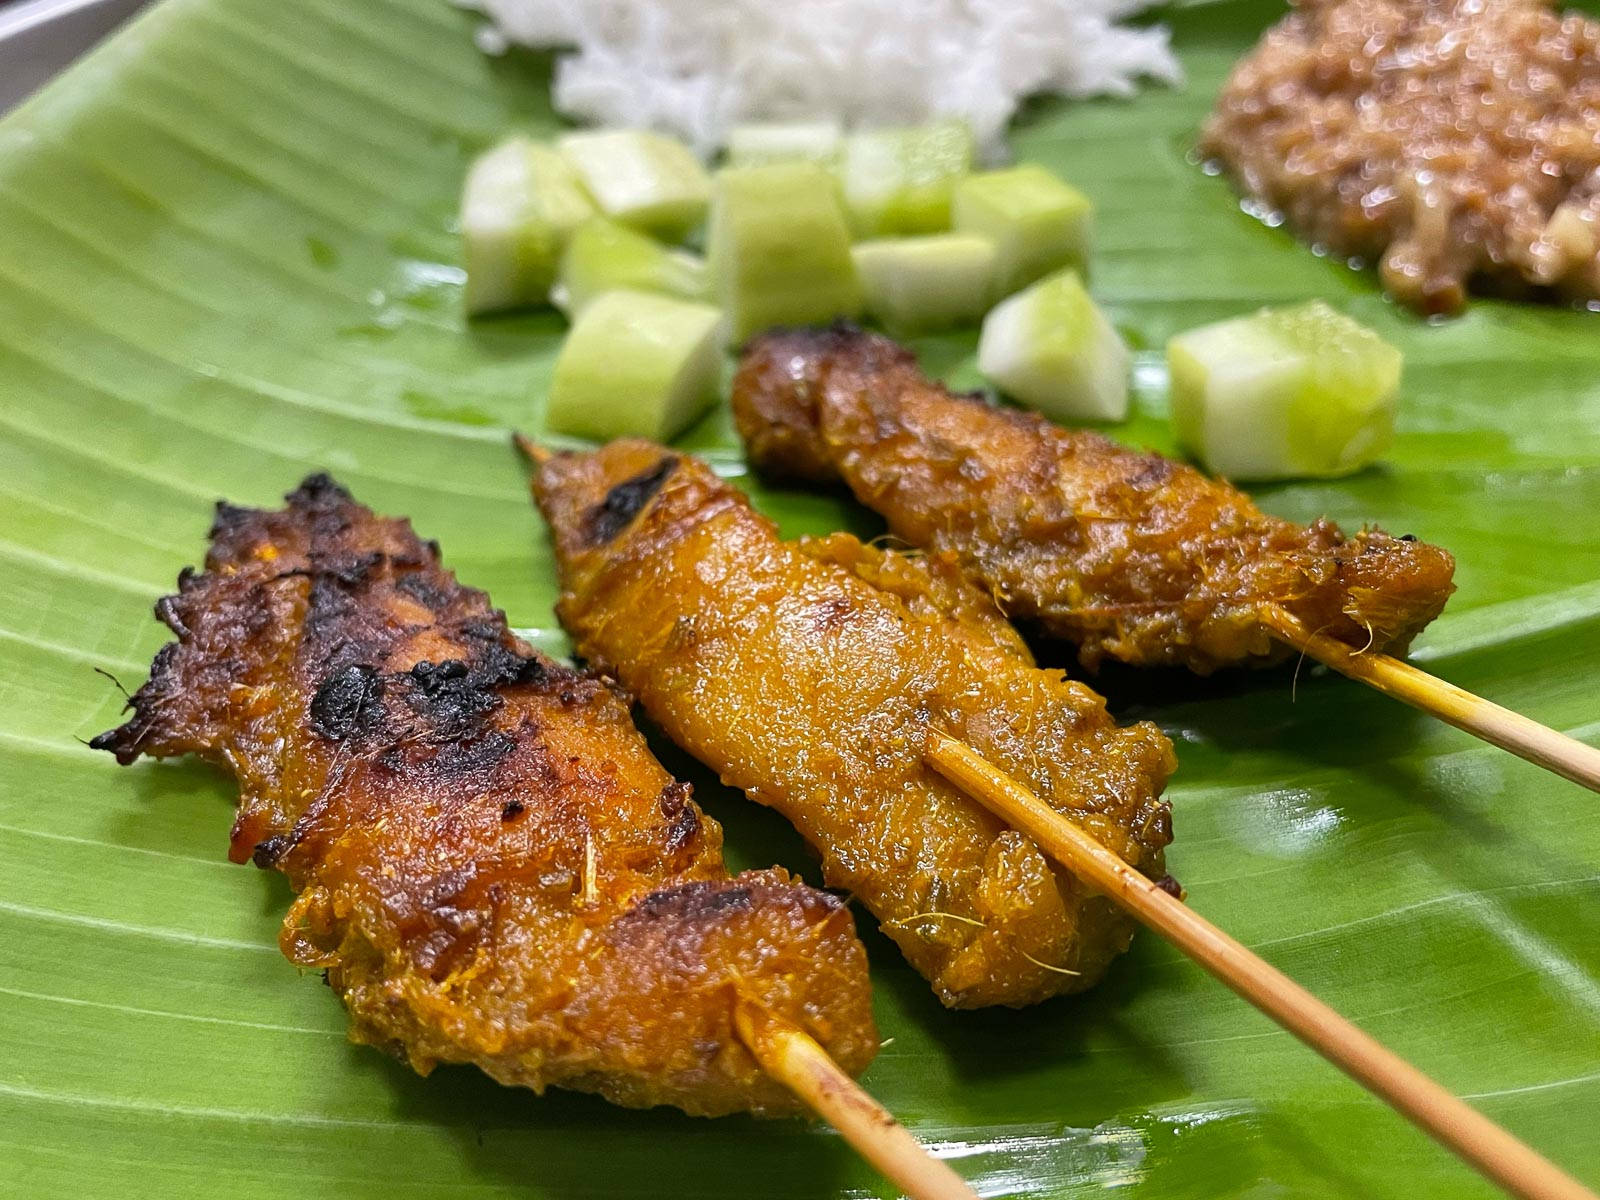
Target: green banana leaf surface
[[227, 259]]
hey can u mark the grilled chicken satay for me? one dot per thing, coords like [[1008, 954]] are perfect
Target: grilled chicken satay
[[807, 673], [490, 865], [1130, 556]]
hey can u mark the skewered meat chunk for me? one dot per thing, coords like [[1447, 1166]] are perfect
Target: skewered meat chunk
[[807, 673], [491, 866], [1130, 556]]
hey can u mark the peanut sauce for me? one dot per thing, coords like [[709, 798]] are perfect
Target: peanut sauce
[[1457, 145]]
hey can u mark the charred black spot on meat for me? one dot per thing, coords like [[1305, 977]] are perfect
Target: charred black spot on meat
[[674, 798], [502, 665], [531, 669], [455, 691], [111, 740], [482, 629], [330, 608], [422, 588], [269, 852], [128, 740], [318, 489], [436, 679], [512, 810], [167, 613], [347, 703], [683, 830], [734, 899], [624, 502], [691, 900], [682, 816], [450, 695], [456, 758], [230, 519], [351, 570]]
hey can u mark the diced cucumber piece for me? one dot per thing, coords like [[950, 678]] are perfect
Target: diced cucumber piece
[[1289, 392], [520, 203], [636, 365], [1038, 223], [900, 181], [919, 284], [602, 256], [1051, 348], [786, 141], [779, 248], [642, 179]]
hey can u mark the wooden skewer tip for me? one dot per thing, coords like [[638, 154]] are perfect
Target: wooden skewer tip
[[1497, 725], [793, 1058], [1492, 1150]]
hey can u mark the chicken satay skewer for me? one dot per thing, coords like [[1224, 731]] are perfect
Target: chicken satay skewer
[[437, 794], [803, 671], [1130, 556], [1489, 1148], [796, 1060], [1467, 711]]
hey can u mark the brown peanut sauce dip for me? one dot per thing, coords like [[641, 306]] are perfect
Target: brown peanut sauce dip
[[1457, 144]]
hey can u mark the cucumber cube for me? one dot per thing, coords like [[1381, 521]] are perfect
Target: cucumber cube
[[1285, 393], [1038, 223], [900, 181], [779, 248], [602, 256], [520, 203], [641, 179], [636, 365], [788, 141], [920, 284], [1051, 348]]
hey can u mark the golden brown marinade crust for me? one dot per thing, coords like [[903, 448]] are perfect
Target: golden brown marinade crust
[[1130, 556], [491, 866], [808, 673]]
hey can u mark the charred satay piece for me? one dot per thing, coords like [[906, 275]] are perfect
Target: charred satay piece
[[490, 865], [1130, 556], [808, 674]]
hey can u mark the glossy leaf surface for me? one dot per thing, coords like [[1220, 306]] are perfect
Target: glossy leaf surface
[[226, 259]]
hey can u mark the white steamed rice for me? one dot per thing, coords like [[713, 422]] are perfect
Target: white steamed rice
[[697, 67]]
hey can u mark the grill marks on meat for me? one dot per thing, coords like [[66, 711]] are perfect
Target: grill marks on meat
[[807, 674], [1129, 556], [490, 865]]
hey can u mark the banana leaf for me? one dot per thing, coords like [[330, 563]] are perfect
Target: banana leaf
[[226, 259]]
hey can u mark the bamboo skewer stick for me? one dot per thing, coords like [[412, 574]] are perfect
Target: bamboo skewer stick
[[1510, 1163], [1526, 738], [795, 1060]]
